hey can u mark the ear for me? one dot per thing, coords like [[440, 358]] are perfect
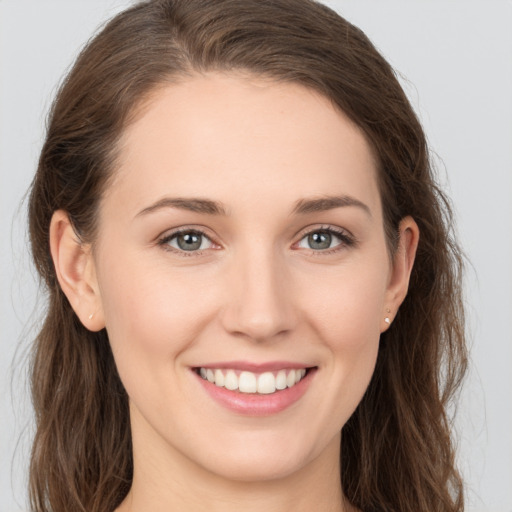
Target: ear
[[75, 270], [401, 267]]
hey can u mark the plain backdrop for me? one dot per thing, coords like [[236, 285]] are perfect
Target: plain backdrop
[[455, 62]]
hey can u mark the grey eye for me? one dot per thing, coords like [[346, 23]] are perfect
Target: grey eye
[[190, 241], [319, 240]]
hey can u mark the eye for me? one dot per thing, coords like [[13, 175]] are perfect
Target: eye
[[187, 240], [324, 239]]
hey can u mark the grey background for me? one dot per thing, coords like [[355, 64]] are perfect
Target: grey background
[[455, 58]]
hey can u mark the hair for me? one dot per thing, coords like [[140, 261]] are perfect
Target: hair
[[397, 452]]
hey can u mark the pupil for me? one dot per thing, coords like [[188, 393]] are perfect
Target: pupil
[[189, 241], [319, 240]]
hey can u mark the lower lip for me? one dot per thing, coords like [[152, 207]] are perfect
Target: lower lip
[[253, 404]]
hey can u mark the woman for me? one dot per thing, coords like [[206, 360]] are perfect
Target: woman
[[254, 298]]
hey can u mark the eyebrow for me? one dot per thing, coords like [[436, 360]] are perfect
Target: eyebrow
[[209, 207], [325, 203], [196, 205]]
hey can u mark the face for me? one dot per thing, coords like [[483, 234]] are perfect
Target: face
[[243, 275]]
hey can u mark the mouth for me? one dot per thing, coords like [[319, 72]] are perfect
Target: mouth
[[255, 390], [264, 383]]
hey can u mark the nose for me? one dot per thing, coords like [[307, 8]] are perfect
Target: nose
[[259, 304]]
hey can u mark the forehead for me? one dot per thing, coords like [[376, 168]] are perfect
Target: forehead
[[237, 137]]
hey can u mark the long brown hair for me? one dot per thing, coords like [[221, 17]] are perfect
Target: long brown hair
[[397, 453]]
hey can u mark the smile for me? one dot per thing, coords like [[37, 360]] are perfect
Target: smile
[[249, 382], [252, 389]]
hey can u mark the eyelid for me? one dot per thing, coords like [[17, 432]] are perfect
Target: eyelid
[[163, 240], [346, 237]]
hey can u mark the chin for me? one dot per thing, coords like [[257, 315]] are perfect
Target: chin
[[262, 468], [266, 459]]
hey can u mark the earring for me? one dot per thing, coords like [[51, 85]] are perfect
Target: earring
[[387, 320], [90, 316]]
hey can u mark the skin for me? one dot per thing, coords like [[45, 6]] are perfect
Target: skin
[[256, 292]]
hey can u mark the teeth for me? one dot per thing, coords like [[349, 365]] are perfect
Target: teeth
[[290, 380], [249, 382], [266, 383], [280, 379], [219, 378], [231, 380]]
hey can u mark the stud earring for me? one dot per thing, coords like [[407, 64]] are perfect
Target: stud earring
[[387, 320], [90, 316]]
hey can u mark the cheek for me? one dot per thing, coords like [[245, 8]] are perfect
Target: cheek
[[152, 314], [347, 317], [347, 305]]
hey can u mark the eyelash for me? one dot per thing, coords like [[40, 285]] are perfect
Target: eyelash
[[164, 241], [347, 240]]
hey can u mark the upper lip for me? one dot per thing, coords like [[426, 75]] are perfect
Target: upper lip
[[255, 367]]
